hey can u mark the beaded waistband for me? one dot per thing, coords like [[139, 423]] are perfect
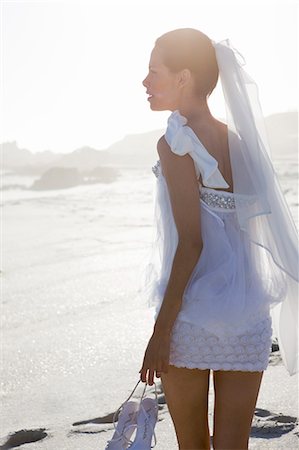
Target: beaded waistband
[[155, 168], [218, 200]]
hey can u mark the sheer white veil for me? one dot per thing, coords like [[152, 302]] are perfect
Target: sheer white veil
[[266, 219]]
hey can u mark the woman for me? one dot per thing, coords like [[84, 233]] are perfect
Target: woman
[[214, 286]]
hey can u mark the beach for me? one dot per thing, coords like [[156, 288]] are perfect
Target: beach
[[74, 328]]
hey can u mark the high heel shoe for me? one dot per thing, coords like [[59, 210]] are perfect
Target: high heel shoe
[[126, 425], [139, 415], [145, 424]]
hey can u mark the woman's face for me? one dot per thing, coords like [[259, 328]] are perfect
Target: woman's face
[[161, 84]]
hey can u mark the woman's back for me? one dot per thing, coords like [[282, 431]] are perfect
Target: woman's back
[[214, 137]]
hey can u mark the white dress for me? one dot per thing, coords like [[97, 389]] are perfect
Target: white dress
[[207, 332], [224, 322]]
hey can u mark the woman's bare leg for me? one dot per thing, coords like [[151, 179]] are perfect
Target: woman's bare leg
[[186, 392], [236, 394]]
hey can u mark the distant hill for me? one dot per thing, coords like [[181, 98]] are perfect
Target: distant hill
[[84, 159], [62, 177], [26, 162], [14, 157], [135, 150]]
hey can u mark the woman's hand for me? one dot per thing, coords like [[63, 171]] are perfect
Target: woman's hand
[[156, 357]]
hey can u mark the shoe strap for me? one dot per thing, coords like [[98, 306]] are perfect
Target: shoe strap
[[122, 436], [153, 427], [140, 426], [142, 407], [115, 415], [143, 393], [121, 406]]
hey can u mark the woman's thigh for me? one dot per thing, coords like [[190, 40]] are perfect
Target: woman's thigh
[[236, 394], [186, 392]]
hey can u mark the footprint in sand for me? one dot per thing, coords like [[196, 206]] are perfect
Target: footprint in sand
[[266, 424], [24, 437]]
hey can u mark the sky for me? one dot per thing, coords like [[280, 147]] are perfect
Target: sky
[[72, 71]]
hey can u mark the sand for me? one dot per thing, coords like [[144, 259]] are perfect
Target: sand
[[73, 329]]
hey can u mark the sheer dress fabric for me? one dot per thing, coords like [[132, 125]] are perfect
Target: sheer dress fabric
[[224, 322]]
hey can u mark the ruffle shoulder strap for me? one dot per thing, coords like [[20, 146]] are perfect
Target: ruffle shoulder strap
[[183, 140]]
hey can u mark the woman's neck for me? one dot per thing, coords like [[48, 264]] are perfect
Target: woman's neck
[[196, 112]]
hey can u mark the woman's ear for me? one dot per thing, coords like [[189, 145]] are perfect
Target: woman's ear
[[184, 77]]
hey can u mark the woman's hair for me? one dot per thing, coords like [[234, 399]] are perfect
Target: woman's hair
[[188, 48]]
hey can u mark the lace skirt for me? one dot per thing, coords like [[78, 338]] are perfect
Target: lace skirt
[[194, 347]]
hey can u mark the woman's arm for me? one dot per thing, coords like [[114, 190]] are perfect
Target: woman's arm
[[183, 189]]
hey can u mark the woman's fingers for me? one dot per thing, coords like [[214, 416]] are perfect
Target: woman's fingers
[[156, 359], [148, 374], [151, 374], [143, 374]]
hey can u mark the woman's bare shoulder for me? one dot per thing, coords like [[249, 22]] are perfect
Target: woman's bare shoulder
[[165, 153], [162, 145], [174, 165]]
